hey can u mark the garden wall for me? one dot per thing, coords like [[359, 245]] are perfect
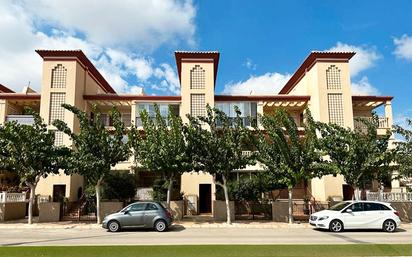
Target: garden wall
[[12, 211], [107, 208], [219, 210], [404, 209], [49, 212], [280, 211]]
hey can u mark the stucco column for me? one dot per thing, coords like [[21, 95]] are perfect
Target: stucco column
[[259, 110], [3, 111], [133, 113], [388, 113]]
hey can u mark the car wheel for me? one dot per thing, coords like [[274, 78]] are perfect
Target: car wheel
[[389, 226], [336, 226], [160, 226], [113, 226]]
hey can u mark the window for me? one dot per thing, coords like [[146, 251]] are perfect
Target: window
[[56, 109], [333, 78], [356, 207], [151, 207], [197, 105], [375, 207], [248, 111], [58, 79], [335, 108], [58, 138], [197, 78], [137, 207], [150, 109]]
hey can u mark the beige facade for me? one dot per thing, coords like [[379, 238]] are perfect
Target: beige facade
[[321, 83]]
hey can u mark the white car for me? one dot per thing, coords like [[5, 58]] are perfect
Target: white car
[[357, 215]]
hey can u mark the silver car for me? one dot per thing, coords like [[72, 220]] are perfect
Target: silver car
[[139, 215]]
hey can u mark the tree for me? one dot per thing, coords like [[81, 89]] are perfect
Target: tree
[[119, 185], [403, 151], [215, 143], [30, 153], [161, 146], [359, 155], [95, 149], [288, 157]]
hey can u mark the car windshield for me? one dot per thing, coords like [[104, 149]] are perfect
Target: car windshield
[[340, 206]]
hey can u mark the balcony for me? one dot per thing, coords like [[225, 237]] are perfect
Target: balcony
[[383, 123], [125, 118], [21, 119]]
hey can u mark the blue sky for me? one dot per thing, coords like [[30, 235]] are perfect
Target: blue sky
[[261, 42]]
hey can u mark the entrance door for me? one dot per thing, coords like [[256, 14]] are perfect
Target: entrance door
[[205, 198], [347, 192], [59, 192]]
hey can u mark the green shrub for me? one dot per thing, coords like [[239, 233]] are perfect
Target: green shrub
[[120, 185]]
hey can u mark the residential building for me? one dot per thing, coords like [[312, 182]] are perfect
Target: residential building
[[321, 83]]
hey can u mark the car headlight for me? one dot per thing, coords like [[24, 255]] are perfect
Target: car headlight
[[324, 218]]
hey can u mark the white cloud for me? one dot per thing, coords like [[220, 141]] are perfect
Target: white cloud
[[131, 23], [403, 47], [364, 58], [363, 87], [266, 84], [19, 64], [249, 64]]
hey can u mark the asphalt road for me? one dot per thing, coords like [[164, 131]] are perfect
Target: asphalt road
[[181, 235]]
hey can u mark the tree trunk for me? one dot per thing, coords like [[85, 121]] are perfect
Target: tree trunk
[[380, 197], [290, 191], [357, 193], [31, 201], [169, 192], [228, 214], [97, 187]]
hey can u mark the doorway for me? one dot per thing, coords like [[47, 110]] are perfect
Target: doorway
[[347, 192], [59, 193], [205, 198]]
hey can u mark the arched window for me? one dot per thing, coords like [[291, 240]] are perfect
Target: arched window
[[197, 78], [58, 79], [333, 78]]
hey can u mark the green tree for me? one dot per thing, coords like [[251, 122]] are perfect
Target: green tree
[[359, 155], [161, 146], [95, 149], [30, 153], [216, 144], [288, 157], [403, 151], [119, 185]]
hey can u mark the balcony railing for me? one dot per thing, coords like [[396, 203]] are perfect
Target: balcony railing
[[389, 196], [383, 122], [12, 197], [21, 119], [125, 118]]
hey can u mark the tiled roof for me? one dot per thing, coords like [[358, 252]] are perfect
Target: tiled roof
[[4, 89], [193, 55]]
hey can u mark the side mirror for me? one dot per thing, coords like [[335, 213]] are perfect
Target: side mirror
[[126, 212], [349, 211]]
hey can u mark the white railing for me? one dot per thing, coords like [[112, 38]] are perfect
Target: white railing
[[389, 196], [43, 199], [12, 197], [21, 119], [382, 122]]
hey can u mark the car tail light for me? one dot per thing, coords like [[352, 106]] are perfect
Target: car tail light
[[396, 213], [168, 214]]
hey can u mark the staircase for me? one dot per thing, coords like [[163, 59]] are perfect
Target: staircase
[[75, 211]]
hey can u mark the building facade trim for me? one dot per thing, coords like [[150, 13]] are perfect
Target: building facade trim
[[79, 56]]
